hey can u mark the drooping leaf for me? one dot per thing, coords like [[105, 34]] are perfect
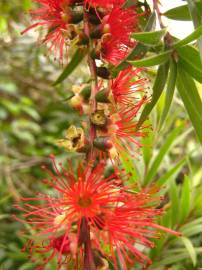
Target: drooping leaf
[[150, 38], [171, 173], [169, 260], [174, 198], [76, 59], [180, 13], [195, 11], [191, 99], [190, 249], [185, 199], [158, 87], [169, 91], [152, 60], [129, 167], [161, 154], [147, 144], [190, 61]]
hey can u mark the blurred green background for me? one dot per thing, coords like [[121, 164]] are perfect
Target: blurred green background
[[33, 114]]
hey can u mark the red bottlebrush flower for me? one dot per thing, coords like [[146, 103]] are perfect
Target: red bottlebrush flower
[[120, 23], [58, 219], [104, 3], [118, 26], [122, 132], [133, 223], [117, 218], [113, 52], [53, 16], [128, 86]]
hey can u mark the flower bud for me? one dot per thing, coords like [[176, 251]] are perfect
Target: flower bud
[[102, 96], [103, 143], [103, 72]]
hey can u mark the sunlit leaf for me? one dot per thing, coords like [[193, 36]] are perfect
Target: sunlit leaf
[[190, 249], [191, 99], [158, 87], [169, 91], [149, 38], [180, 13]]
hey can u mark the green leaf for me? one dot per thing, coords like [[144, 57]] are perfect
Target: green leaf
[[190, 249], [194, 222], [169, 260], [150, 38], [195, 11], [174, 197], [170, 174], [129, 167], [191, 99], [196, 34], [140, 49], [190, 61], [191, 231], [185, 200], [158, 87], [76, 59], [147, 144], [152, 60], [180, 13], [169, 91], [161, 154]]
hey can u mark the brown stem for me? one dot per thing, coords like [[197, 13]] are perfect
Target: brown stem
[[94, 85], [156, 7], [88, 254]]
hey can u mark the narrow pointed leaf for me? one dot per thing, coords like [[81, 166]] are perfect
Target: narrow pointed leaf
[[76, 59], [147, 143], [169, 91], [196, 34], [195, 11], [149, 38], [152, 60], [170, 174], [190, 249], [191, 99], [169, 260], [158, 87], [180, 13], [190, 61], [174, 198], [161, 154], [129, 167], [185, 200]]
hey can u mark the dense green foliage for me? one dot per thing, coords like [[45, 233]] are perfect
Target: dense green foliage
[[34, 113]]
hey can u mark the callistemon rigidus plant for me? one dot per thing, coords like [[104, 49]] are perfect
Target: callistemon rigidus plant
[[94, 218]]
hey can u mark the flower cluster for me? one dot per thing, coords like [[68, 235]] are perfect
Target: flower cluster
[[89, 208], [110, 27], [90, 218]]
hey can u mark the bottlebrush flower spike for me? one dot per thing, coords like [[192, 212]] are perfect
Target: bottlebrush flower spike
[[134, 223], [104, 3], [128, 87], [122, 131], [59, 218], [53, 16], [120, 23], [116, 218], [118, 26], [112, 51]]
